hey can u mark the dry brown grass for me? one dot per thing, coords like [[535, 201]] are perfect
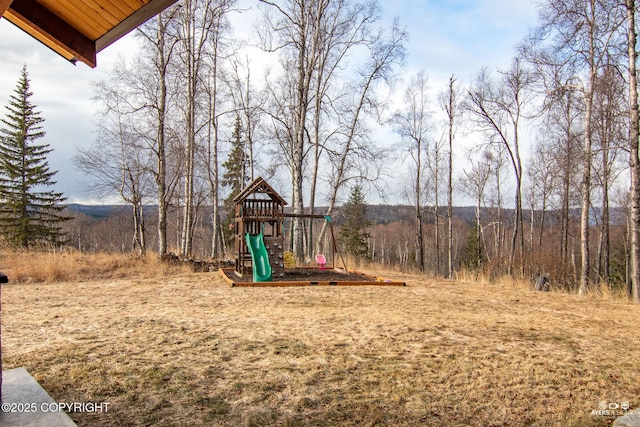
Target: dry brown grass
[[188, 350], [35, 267]]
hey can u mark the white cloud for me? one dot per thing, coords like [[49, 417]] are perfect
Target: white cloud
[[62, 93], [461, 36]]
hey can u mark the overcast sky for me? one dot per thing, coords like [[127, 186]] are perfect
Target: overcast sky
[[445, 37]]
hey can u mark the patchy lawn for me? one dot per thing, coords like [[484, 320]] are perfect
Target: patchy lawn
[[190, 350]]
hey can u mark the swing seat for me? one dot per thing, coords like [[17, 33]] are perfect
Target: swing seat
[[321, 260]]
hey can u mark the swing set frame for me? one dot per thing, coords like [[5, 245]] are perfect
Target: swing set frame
[[259, 209]]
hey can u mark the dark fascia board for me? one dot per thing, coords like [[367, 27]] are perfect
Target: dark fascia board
[[56, 30], [132, 22]]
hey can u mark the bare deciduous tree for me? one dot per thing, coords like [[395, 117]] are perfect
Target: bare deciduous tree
[[542, 181], [580, 34], [474, 184], [354, 155], [413, 126], [497, 108], [160, 36], [197, 19], [634, 162], [213, 71], [610, 126], [315, 38], [118, 160], [297, 26], [450, 101]]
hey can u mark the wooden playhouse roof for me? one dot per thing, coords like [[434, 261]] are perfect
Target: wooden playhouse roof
[[79, 29], [259, 185]]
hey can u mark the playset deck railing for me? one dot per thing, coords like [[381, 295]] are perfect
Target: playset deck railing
[[260, 209]]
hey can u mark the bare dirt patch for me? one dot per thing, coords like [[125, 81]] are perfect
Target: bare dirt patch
[[309, 275], [190, 350]]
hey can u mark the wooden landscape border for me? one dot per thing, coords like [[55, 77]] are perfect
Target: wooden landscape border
[[379, 281]]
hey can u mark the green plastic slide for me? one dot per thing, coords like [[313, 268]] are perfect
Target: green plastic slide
[[259, 258]]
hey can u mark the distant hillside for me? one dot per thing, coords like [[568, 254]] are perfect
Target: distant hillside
[[377, 214], [96, 211], [105, 211]]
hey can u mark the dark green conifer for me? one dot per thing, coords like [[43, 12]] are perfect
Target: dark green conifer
[[29, 213], [474, 254], [353, 233], [235, 176]]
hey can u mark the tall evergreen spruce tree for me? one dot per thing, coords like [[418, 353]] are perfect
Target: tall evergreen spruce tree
[[29, 215], [237, 163], [353, 233], [236, 176]]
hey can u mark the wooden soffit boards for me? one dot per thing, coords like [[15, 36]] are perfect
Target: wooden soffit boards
[[78, 29], [4, 5]]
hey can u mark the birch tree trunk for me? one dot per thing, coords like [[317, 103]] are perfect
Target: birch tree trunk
[[188, 39], [450, 104], [163, 57], [585, 265], [566, 185], [213, 168], [197, 22], [418, 206], [633, 149], [307, 21]]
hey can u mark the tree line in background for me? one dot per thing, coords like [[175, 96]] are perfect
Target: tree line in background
[[557, 130], [169, 116], [553, 171]]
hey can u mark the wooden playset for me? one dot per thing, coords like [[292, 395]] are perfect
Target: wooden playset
[[259, 211], [259, 245]]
